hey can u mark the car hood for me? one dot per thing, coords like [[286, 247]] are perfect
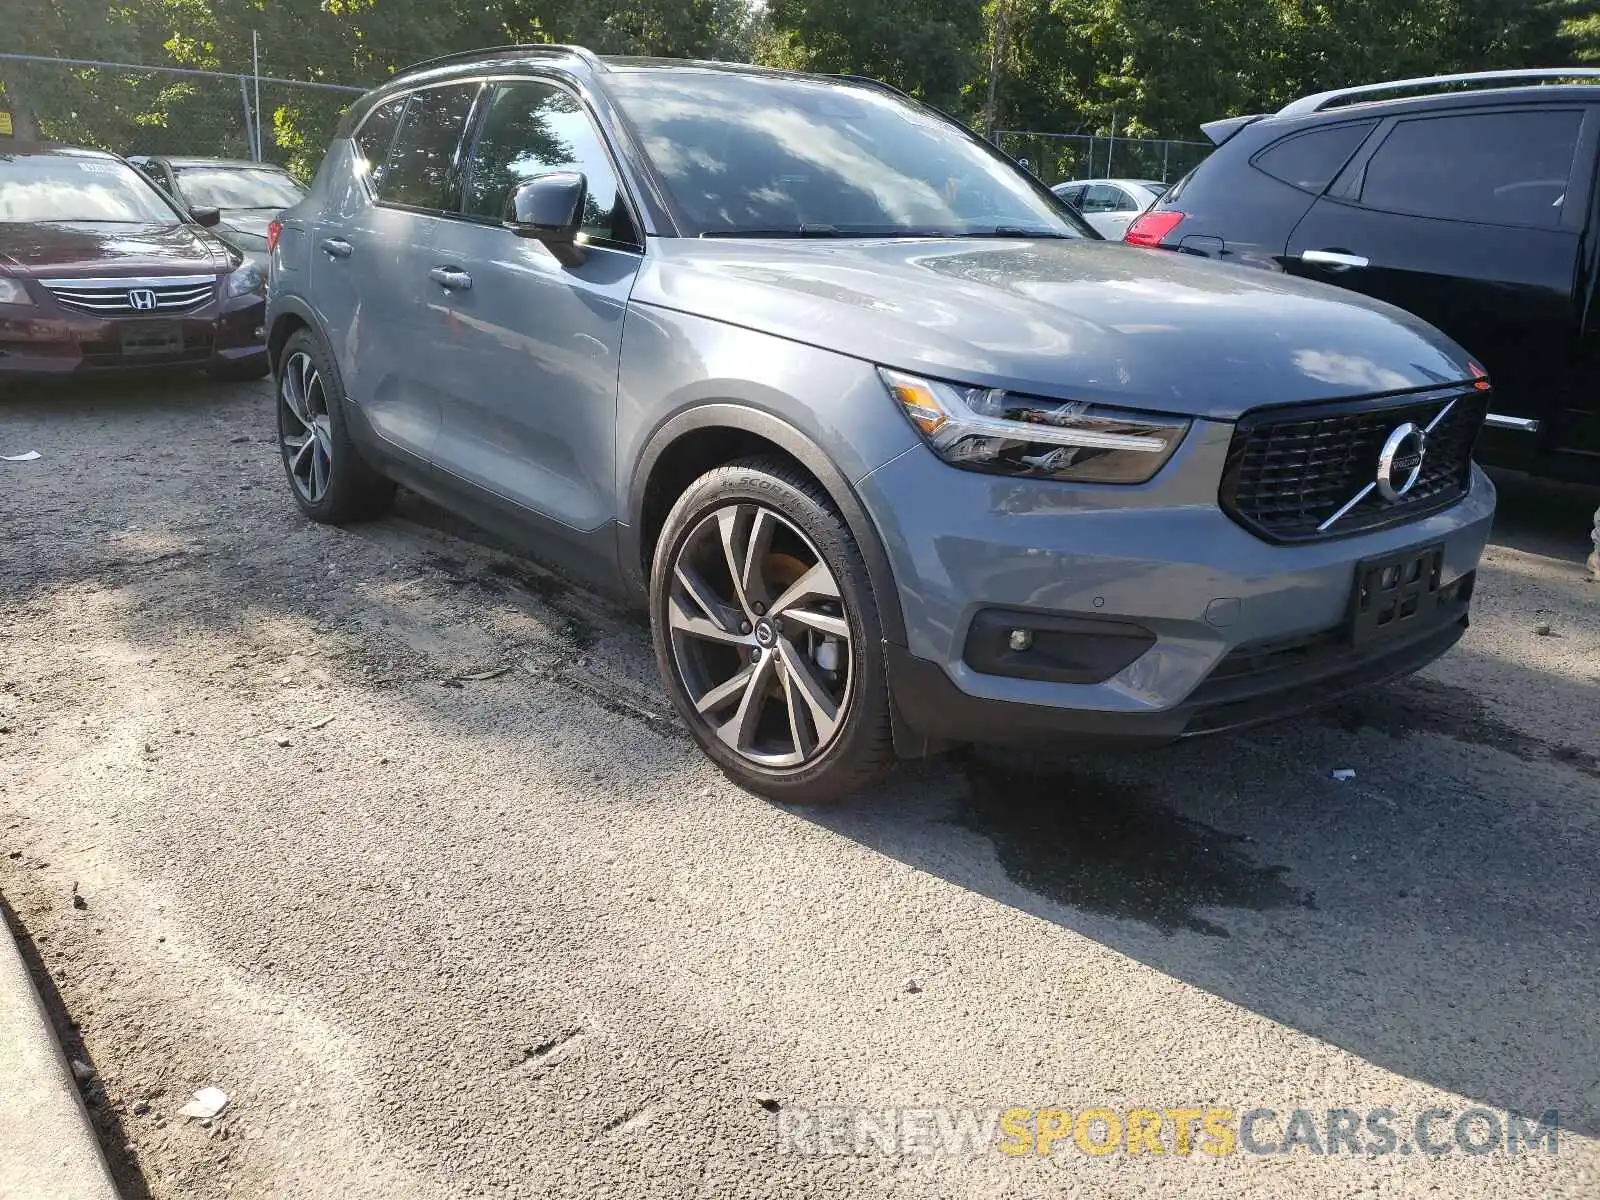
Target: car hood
[[249, 222], [68, 249], [1088, 320]]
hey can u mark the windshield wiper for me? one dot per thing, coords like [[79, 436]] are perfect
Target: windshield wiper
[[1017, 231], [835, 231], [804, 231]]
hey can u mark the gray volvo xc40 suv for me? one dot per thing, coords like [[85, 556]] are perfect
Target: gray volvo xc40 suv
[[898, 452]]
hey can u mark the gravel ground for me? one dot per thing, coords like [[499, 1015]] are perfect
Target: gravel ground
[[443, 936]]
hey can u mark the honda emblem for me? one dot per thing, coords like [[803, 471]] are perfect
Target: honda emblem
[[141, 299]]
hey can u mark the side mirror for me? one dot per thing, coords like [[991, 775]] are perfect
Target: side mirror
[[206, 216], [549, 208]]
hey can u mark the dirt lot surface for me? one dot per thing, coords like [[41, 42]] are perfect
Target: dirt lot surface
[[440, 935]]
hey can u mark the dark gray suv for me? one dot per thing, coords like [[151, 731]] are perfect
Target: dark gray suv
[[897, 451]]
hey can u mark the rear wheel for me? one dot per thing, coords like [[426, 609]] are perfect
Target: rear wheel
[[331, 481], [767, 634]]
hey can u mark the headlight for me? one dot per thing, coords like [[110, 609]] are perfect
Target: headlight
[[12, 292], [986, 429], [246, 279]]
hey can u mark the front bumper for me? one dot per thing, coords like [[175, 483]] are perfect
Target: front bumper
[[49, 341], [1235, 630]]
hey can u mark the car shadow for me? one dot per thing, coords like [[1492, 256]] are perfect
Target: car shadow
[[1538, 516], [1434, 916]]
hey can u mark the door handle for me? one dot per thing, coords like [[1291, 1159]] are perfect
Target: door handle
[[336, 247], [451, 279], [1336, 260]]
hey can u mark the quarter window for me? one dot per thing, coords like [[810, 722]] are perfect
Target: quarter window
[[533, 129], [420, 172], [375, 134], [1310, 161], [1505, 168]]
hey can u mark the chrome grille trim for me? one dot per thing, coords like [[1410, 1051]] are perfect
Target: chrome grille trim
[[109, 297]]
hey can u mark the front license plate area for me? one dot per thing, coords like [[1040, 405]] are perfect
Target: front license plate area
[[1394, 594], [152, 337]]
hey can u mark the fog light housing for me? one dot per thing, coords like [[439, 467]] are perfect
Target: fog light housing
[[1052, 648]]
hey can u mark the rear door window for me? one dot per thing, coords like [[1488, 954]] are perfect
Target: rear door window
[[1311, 161], [420, 172], [1073, 195], [1500, 168]]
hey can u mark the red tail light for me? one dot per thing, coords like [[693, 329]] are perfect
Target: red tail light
[[274, 228], [1151, 228]]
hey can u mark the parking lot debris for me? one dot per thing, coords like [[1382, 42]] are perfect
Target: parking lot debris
[[320, 722], [1541, 630], [207, 1103], [1344, 774], [913, 986], [78, 901], [770, 1103], [140, 1107], [82, 1071], [26, 456], [478, 676], [284, 743]]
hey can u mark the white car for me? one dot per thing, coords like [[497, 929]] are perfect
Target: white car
[[1109, 204]]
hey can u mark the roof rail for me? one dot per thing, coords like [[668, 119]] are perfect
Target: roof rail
[[1320, 101], [534, 48]]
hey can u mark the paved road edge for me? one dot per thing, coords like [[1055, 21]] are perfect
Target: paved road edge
[[48, 1148]]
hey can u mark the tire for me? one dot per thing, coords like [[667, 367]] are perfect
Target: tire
[[330, 480], [747, 664], [241, 371]]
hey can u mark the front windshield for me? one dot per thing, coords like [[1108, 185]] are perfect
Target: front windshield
[[771, 155], [61, 187], [238, 187]]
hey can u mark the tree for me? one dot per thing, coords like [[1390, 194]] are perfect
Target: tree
[[928, 49]]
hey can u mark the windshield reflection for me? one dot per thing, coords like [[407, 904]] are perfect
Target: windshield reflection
[[774, 155]]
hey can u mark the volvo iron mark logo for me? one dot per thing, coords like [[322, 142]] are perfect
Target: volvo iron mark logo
[[1400, 462], [141, 299]]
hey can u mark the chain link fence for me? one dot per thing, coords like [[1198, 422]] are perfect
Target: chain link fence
[[1057, 157], [132, 109]]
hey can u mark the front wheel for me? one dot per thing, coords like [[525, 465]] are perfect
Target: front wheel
[[767, 634], [332, 483]]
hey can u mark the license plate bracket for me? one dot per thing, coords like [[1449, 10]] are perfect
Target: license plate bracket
[[152, 337], [1395, 593]]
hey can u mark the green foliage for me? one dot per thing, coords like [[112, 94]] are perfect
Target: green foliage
[[1134, 67]]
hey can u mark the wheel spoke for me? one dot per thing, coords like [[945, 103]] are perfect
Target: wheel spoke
[[682, 619], [319, 471], [820, 621], [294, 391], [308, 376], [817, 583], [303, 451], [699, 591], [728, 521], [739, 730], [725, 693], [824, 712], [799, 725], [752, 575]]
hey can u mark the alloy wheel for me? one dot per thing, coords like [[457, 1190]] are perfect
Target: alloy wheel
[[760, 638], [308, 431]]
